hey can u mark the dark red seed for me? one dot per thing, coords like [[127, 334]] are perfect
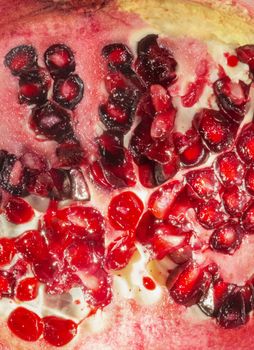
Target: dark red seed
[[119, 253], [12, 174], [53, 122], [247, 292], [144, 230], [21, 59], [162, 199], [115, 80], [141, 140], [101, 176], [249, 180], [146, 173], [245, 143], [229, 169], [148, 283], [7, 251], [68, 92], [166, 171], [111, 147], [83, 222], [161, 99], [155, 64], [118, 112], [245, 54], [188, 283], [7, 284], [215, 131], [27, 289], [32, 89], [79, 256], [163, 124], [190, 148], [32, 246], [118, 56], [18, 211], [231, 98], [248, 219], [161, 151], [203, 182], [125, 210], [235, 201], [227, 238], [46, 270], [194, 92], [232, 313], [59, 60], [25, 324], [211, 302], [70, 154], [58, 331], [210, 214], [101, 294]]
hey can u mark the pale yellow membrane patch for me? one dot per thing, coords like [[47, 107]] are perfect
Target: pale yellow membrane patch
[[184, 18]]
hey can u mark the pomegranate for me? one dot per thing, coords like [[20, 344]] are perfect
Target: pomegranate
[[126, 176]]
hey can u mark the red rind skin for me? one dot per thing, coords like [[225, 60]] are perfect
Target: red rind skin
[[164, 325]]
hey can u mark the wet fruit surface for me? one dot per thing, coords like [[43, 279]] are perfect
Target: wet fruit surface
[[139, 183]]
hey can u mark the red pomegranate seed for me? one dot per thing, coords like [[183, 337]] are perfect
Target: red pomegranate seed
[[115, 80], [248, 220], [161, 151], [211, 302], [216, 132], [160, 98], [101, 177], [247, 292], [145, 228], [21, 59], [70, 154], [161, 200], [59, 60], [111, 147], [194, 92], [227, 238], [245, 54], [148, 283], [125, 210], [190, 148], [7, 284], [32, 246], [83, 222], [146, 174], [119, 253], [232, 312], [229, 169], [18, 211], [27, 289], [210, 214], [231, 98], [164, 172], [118, 56], [58, 331], [203, 182], [188, 283], [235, 201], [68, 92], [141, 139], [33, 88], [25, 324], [245, 143], [101, 294], [79, 256], [7, 251], [163, 124], [249, 180]]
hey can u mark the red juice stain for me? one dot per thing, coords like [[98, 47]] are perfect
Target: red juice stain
[[148, 283]]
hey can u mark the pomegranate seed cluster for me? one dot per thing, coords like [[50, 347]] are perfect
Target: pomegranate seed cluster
[[138, 145]]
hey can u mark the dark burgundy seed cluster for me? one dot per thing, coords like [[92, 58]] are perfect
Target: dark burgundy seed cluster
[[49, 120]]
